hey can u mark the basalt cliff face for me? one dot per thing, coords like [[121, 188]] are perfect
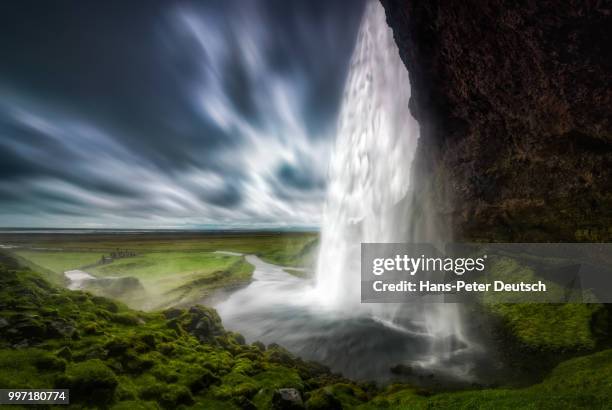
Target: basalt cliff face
[[514, 100]]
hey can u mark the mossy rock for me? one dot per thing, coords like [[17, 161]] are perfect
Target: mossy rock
[[279, 355], [106, 303], [127, 319], [173, 313], [336, 396], [65, 353], [167, 395], [92, 328], [202, 322], [287, 399], [539, 326], [198, 379], [91, 381], [135, 405], [148, 339], [58, 328], [322, 399], [117, 346], [49, 362], [28, 368], [127, 389], [30, 328]]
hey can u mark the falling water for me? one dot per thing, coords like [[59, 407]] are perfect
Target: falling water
[[369, 196], [371, 165], [369, 200]]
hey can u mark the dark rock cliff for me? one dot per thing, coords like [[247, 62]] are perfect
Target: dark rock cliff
[[515, 105]]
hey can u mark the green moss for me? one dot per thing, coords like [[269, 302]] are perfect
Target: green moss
[[207, 403], [294, 254], [126, 318], [276, 377], [135, 405], [197, 378], [92, 328], [126, 388], [60, 261], [541, 326], [28, 368], [55, 277], [90, 381], [167, 395], [106, 303], [551, 327], [335, 396], [580, 383]]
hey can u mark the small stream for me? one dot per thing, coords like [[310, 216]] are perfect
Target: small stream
[[77, 278]]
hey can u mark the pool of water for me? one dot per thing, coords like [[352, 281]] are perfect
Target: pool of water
[[280, 308]]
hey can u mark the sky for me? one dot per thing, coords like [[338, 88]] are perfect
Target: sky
[[169, 114]]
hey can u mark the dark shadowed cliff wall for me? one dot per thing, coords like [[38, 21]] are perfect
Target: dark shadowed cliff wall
[[515, 104]]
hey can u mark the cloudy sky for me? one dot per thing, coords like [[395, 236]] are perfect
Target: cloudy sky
[[169, 113]]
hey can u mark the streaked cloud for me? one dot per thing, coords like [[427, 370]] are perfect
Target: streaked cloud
[[173, 114]]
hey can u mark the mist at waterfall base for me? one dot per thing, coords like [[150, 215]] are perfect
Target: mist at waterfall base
[[368, 200]]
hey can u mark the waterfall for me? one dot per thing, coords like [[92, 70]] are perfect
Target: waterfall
[[369, 193], [370, 168]]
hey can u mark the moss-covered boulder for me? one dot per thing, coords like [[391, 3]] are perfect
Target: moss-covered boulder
[[287, 399], [91, 381]]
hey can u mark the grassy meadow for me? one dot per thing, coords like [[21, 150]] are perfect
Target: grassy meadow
[[281, 248], [164, 268], [172, 278], [59, 261]]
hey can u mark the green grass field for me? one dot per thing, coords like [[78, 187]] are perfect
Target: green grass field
[[281, 248], [170, 268], [60, 261], [179, 277], [166, 277], [157, 266]]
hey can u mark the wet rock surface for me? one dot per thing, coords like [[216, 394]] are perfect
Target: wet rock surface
[[514, 103]]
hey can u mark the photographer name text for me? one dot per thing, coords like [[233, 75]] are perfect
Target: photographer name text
[[458, 286]]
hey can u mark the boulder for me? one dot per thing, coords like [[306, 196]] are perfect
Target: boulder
[[64, 353], [172, 313], [286, 399], [30, 329], [60, 328], [323, 400], [204, 323]]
